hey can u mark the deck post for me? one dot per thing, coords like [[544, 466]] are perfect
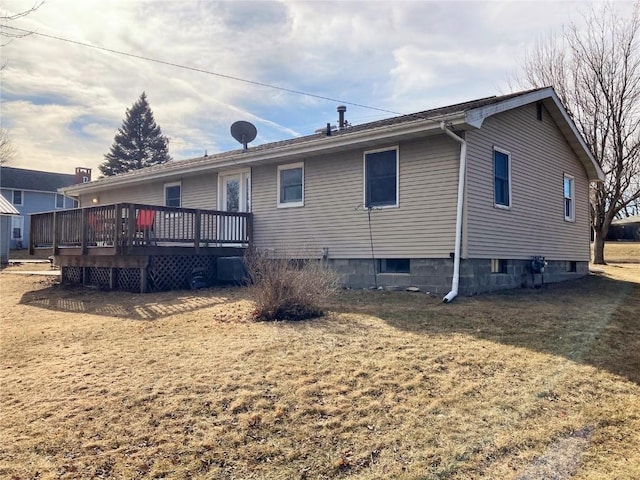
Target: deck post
[[249, 220], [112, 278], [131, 225], [54, 242], [196, 234], [117, 233], [84, 230]]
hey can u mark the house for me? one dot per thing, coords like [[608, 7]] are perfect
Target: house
[[625, 229], [7, 210], [32, 191], [454, 200]]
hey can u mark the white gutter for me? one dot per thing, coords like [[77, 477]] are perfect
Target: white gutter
[[461, 179]]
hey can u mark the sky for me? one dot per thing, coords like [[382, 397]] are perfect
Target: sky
[[62, 103]]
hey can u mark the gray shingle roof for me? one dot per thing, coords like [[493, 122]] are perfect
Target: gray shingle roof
[[434, 113], [24, 179]]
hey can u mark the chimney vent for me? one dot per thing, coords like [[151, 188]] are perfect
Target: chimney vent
[[341, 122], [83, 175]]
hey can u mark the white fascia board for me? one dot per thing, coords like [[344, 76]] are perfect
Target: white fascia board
[[477, 116], [315, 146]]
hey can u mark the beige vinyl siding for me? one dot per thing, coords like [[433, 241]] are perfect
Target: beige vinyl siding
[[423, 226], [197, 192], [535, 224]]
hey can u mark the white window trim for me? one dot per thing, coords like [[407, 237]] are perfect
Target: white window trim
[[55, 201], [572, 217], [290, 166], [364, 176], [493, 162], [172, 184], [13, 197]]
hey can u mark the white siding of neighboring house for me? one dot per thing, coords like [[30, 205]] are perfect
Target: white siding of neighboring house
[[423, 226], [535, 224]]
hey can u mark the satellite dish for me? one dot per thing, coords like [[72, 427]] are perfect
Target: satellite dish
[[244, 132]]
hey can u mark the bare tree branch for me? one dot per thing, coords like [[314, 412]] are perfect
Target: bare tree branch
[[5, 18], [595, 69], [7, 152]]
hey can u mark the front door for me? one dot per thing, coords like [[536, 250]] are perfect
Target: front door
[[234, 196]]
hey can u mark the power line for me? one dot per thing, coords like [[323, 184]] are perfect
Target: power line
[[199, 70]]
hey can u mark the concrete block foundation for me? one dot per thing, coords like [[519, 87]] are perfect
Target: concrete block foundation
[[435, 275]]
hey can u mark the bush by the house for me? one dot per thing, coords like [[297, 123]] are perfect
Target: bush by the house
[[287, 289]]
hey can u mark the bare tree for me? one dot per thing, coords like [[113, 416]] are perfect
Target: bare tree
[[595, 70], [7, 152]]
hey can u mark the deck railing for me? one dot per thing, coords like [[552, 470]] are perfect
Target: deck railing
[[125, 226]]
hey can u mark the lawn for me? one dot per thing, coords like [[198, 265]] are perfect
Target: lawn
[[524, 384]]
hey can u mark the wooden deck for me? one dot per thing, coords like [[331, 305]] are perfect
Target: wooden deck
[[106, 242]]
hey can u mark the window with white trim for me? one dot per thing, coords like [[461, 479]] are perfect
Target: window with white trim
[[291, 185], [173, 194], [381, 178], [569, 202], [59, 201], [17, 197], [501, 178]]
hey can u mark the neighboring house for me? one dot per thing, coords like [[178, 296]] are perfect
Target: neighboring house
[[625, 229], [6, 212], [523, 192], [33, 191]]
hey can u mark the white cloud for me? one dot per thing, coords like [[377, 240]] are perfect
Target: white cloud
[[64, 102]]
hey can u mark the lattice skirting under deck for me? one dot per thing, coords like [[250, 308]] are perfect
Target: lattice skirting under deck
[[163, 273]]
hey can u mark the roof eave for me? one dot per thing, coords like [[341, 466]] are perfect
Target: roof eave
[[315, 146]]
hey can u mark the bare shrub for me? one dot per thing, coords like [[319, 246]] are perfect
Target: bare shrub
[[287, 289]]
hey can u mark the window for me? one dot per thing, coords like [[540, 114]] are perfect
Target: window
[[172, 194], [59, 201], [572, 266], [498, 265], [569, 204], [381, 178], [75, 204], [291, 185], [501, 178], [17, 197], [394, 265]]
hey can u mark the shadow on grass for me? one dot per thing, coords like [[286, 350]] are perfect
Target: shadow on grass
[[594, 321], [132, 306]]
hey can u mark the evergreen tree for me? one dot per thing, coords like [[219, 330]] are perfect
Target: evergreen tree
[[139, 142]]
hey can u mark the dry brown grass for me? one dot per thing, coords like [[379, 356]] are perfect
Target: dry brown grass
[[622, 252], [526, 384]]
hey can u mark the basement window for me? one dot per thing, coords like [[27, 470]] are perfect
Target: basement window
[[498, 265], [394, 265], [572, 267]]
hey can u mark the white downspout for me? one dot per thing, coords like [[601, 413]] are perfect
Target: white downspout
[[456, 256]]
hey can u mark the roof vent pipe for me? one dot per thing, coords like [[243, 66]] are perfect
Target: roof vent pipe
[[341, 122], [328, 129]]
